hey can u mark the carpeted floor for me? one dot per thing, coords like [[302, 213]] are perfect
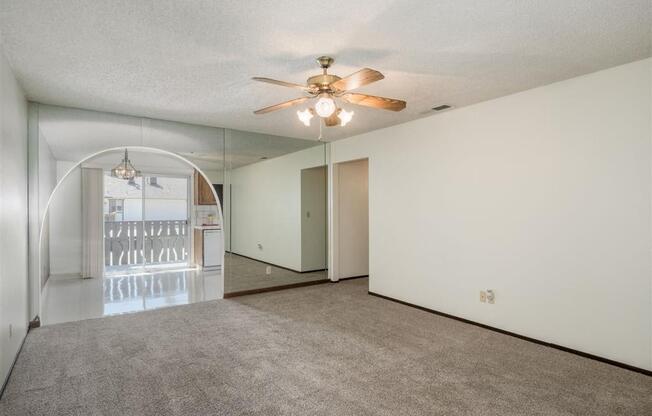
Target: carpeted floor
[[322, 350]]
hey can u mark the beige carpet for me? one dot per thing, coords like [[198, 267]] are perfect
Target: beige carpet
[[322, 350]]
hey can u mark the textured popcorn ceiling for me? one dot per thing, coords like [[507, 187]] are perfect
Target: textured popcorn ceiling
[[192, 61]]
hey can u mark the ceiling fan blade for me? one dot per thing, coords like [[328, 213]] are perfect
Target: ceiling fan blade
[[281, 106], [332, 120], [283, 83], [373, 101], [357, 79]]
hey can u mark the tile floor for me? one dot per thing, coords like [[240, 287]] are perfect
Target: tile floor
[[70, 298], [75, 299]]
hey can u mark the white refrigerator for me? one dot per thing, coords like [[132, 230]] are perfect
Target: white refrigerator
[[213, 248]]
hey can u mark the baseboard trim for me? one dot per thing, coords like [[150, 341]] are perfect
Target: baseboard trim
[[523, 337], [274, 288], [353, 277], [64, 276]]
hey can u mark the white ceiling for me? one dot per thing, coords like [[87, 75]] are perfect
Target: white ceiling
[[192, 61]]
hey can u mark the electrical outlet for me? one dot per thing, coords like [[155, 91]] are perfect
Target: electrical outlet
[[491, 297], [268, 270], [483, 296]]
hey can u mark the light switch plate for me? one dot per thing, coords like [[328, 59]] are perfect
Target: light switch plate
[[483, 296]]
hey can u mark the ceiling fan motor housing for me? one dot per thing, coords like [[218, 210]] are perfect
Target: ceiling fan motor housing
[[322, 82]]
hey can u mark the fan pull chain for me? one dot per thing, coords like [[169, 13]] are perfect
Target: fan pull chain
[[321, 122]]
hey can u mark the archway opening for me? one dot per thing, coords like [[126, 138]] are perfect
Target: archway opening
[[169, 246]]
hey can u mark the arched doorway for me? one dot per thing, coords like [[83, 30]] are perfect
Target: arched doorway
[[199, 175]]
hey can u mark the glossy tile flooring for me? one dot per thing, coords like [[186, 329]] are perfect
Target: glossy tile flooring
[[138, 269], [75, 299], [68, 299]]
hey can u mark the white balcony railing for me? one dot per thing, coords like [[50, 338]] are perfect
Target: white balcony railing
[[128, 243]]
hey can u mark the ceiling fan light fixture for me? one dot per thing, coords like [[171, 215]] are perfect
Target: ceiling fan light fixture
[[345, 116], [325, 106], [325, 87], [305, 116]]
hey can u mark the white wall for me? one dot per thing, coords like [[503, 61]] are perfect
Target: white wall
[[47, 180], [65, 222], [42, 180], [543, 196], [266, 207], [77, 133], [352, 231], [13, 218], [47, 174], [313, 218]]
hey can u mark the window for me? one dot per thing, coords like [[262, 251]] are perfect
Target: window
[[115, 209]]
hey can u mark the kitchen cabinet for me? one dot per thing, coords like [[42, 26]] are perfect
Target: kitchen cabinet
[[203, 191]]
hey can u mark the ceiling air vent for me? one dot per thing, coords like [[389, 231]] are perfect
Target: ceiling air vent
[[442, 107]]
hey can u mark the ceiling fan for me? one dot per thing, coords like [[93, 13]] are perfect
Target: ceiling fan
[[326, 88]]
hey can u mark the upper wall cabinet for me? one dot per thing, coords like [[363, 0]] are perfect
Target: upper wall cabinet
[[203, 191]]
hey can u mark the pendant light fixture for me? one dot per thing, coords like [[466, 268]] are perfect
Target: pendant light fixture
[[125, 170]]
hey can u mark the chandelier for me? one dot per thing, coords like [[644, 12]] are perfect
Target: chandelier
[[125, 170]]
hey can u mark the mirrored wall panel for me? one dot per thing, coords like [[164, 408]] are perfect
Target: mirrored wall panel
[[150, 213], [275, 212], [134, 221]]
